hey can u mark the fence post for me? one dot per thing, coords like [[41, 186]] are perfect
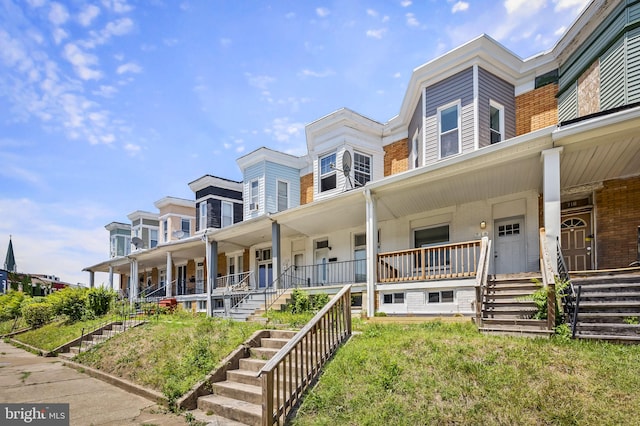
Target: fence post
[[267, 398], [551, 306]]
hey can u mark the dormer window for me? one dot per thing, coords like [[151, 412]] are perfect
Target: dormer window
[[449, 129], [203, 215], [361, 168], [153, 238], [496, 122], [254, 195], [328, 175], [186, 227], [227, 214], [283, 195]]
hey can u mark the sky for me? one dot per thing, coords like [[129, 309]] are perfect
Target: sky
[[107, 106]]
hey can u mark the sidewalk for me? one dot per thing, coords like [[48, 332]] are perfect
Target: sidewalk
[[25, 377]]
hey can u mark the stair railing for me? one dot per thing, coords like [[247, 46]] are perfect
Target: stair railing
[[482, 277], [548, 279], [297, 365], [570, 298]]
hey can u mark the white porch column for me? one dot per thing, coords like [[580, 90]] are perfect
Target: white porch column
[[133, 281], [276, 258], [212, 271], [111, 278], [551, 190], [372, 251], [169, 284], [92, 279]]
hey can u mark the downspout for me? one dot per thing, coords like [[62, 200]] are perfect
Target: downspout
[[372, 251]]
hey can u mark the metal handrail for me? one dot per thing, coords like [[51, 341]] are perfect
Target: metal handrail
[[287, 375], [568, 294]]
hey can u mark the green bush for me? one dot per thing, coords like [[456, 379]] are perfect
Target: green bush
[[70, 302], [99, 300], [301, 302], [10, 305], [37, 314]]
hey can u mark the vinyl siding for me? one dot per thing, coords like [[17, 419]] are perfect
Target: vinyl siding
[[612, 77], [416, 123], [457, 87], [251, 173], [633, 66], [568, 104], [275, 172], [494, 88]]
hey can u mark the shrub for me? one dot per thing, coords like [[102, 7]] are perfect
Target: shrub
[[301, 302], [37, 314], [99, 300], [70, 302], [10, 305]]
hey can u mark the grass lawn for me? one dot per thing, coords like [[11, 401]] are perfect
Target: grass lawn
[[171, 354], [437, 373], [57, 333], [8, 326]]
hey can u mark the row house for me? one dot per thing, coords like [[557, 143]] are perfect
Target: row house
[[486, 146]]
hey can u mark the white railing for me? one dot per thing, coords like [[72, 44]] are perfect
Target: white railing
[[235, 282], [481, 277]]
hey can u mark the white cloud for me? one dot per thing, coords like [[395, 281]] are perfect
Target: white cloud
[[36, 3], [372, 12], [460, 6], [406, 3], [560, 31], [523, 6], [59, 35], [88, 14], [322, 12], [397, 75], [290, 15], [412, 21], [132, 149], [570, 4], [58, 14], [378, 34], [259, 81], [119, 27], [225, 42], [284, 131], [170, 42], [118, 6], [316, 74], [82, 62], [129, 67]]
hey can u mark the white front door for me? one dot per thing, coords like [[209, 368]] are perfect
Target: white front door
[[321, 265], [509, 253]]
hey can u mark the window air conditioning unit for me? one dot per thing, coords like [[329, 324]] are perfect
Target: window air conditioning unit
[[253, 206]]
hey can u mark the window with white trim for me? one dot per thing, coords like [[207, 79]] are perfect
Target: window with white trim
[[283, 195], [153, 238], [203, 215], [254, 195], [165, 230], [186, 227], [449, 130], [227, 214], [328, 175], [395, 298], [445, 296], [361, 168], [496, 122]]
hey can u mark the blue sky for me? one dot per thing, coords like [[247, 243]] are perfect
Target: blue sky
[[109, 105]]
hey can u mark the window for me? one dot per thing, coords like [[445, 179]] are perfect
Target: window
[[165, 230], [153, 238], [393, 298], [509, 229], [360, 257], [254, 195], [496, 122], [227, 214], [186, 227], [203, 215], [328, 175], [437, 257], [415, 159], [163, 278], [440, 296], [361, 168], [449, 130], [283, 195]]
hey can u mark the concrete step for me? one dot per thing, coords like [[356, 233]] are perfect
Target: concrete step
[[241, 391], [283, 334], [263, 353], [252, 364], [273, 342], [247, 377], [240, 411]]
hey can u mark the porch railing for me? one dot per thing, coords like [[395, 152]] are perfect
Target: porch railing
[[235, 282], [482, 276], [456, 260], [294, 368], [548, 278]]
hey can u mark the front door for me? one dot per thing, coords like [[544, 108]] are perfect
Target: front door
[[321, 265], [576, 241], [509, 253], [265, 274], [182, 280]]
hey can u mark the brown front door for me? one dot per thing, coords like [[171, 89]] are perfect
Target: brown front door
[[576, 241]]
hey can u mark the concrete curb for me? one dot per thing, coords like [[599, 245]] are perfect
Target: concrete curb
[[151, 395], [15, 333], [32, 349]]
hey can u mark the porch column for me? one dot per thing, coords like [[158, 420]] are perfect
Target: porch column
[[169, 277], [372, 251], [92, 278], [276, 259], [212, 272], [133, 281], [551, 190], [111, 278]]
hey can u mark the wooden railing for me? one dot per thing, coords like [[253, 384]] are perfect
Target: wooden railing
[[481, 277], [456, 260], [295, 367], [235, 282]]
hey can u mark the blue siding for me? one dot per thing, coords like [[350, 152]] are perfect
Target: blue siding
[[275, 172], [492, 88]]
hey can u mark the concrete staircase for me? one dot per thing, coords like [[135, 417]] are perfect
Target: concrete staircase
[[252, 308], [508, 308], [239, 397], [100, 336], [609, 307]]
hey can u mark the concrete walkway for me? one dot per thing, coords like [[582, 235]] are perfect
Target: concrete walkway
[[28, 378]]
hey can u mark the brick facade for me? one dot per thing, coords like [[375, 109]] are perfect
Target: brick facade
[[589, 90], [617, 222], [536, 109], [306, 189], [396, 157]]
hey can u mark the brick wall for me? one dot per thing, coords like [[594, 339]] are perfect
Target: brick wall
[[396, 157], [536, 109], [617, 221], [306, 189]]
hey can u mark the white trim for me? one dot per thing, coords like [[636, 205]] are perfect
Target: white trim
[[458, 105], [414, 152], [278, 194], [202, 219], [255, 204], [476, 113], [500, 109], [333, 171], [353, 166], [424, 125], [222, 204]]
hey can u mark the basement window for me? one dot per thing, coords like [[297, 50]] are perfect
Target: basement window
[[441, 296], [393, 298]]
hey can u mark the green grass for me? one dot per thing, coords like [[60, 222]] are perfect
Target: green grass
[[8, 326], [171, 354], [437, 373], [57, 333]]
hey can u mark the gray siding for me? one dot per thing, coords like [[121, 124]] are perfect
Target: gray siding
[[494, 88], [633, 66], [275, 172], [416, 123], [454, 88], [612, 77], [568, 104]]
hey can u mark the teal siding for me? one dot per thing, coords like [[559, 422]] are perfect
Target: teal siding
[[568, 104], [634, 12], [633, 66], [612, 77]]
